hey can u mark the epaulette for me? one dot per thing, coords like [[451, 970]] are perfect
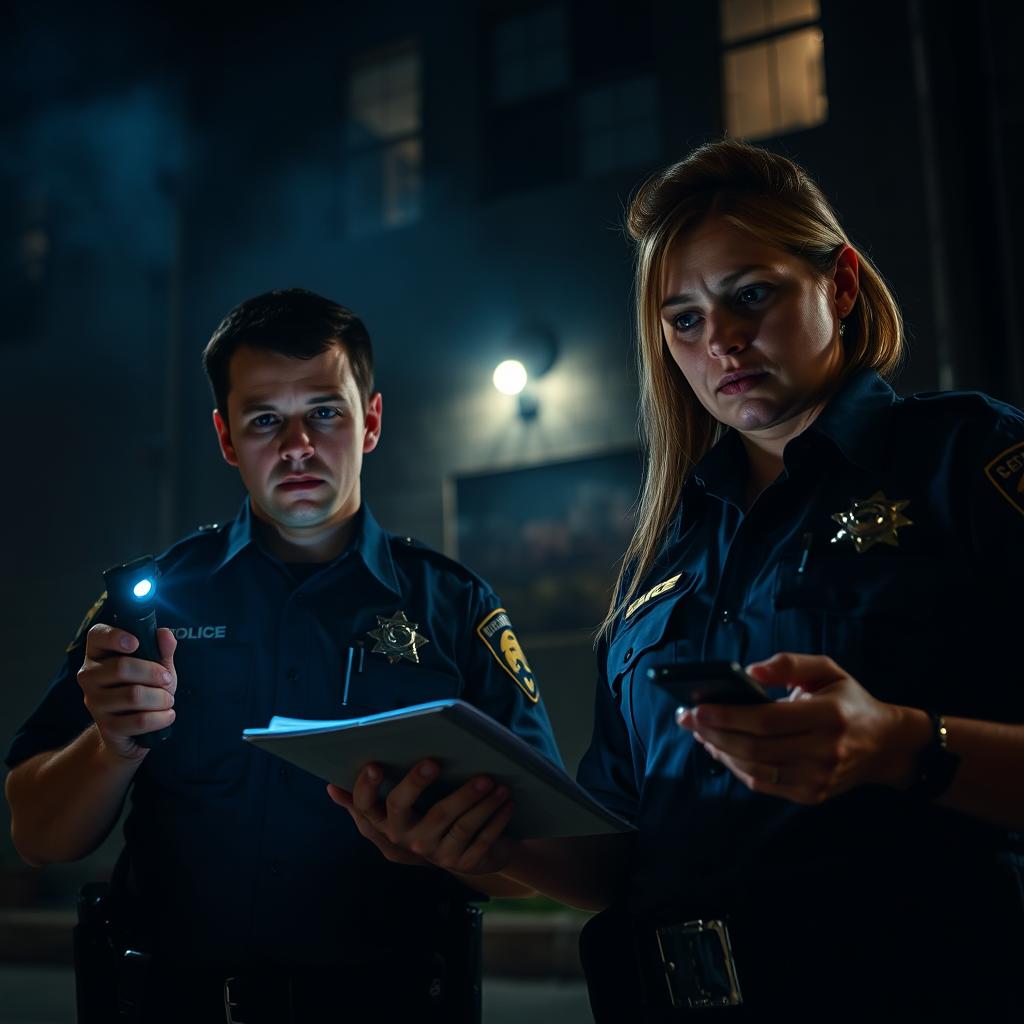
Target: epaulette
[[964, 402], [971, 414], [433, 555], [205, 532]]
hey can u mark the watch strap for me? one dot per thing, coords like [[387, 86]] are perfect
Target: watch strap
[[936, 764]]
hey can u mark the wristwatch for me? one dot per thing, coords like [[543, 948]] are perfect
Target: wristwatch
[[936, 764]]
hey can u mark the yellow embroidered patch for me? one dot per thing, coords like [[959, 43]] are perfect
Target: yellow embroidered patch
[[496, 633], [1006, 472], [661, 588], [86, 623]]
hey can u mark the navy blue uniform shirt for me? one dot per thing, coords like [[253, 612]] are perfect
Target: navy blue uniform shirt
[[234, 856], [931, 623]]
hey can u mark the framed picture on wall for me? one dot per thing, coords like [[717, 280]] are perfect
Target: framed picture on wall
[[547, 537]]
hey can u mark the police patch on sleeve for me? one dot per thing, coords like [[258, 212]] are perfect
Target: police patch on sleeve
[[90, 615], [1006, 472], [496, 633]]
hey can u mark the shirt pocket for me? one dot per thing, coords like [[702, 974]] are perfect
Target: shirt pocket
[[646, 628], [382, 686], [212, 709], [876, 614]]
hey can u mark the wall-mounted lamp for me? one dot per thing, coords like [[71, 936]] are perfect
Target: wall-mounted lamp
[[510, 377], [531, 353]]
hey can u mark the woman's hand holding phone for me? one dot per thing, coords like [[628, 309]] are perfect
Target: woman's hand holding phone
[[830, 738]]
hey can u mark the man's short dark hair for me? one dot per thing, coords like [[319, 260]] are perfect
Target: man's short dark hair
[[292, 322]]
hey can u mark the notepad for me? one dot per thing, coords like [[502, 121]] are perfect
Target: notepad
[[464, 741]]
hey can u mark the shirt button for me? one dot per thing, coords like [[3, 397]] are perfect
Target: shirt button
[[726, 616], [627, 656], [714, 770], [282, 771]]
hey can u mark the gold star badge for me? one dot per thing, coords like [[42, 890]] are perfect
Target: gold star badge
[[397, 638], [871, 521]]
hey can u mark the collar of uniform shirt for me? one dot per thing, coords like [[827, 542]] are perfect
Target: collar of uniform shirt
[[856, 419], [369, 542]]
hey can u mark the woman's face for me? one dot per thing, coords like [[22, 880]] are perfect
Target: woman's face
[[754, 330]]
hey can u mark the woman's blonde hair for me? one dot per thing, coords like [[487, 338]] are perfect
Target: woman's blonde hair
[[777, 202]]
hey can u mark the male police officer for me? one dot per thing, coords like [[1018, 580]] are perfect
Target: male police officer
[[252, 896]]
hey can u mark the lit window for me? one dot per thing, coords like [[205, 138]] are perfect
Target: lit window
[[774, 80], [385, 151], [619, 125], [531, 55]]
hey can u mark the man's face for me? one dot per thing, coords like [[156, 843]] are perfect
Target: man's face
[[297, 431]]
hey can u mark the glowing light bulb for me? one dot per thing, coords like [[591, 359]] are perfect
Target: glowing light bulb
[[143, 588], [510, 377]]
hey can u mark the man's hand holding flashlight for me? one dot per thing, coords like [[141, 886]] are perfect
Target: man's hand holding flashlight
[[125, 695]]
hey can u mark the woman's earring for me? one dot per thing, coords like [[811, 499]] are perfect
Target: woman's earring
[[842, 328]]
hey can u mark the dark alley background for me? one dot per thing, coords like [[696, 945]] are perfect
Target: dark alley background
[[456, 172]]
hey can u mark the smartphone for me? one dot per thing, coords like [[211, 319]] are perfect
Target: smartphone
[[708, 682]]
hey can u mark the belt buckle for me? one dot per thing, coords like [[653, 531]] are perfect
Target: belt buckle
[[700, 971], [230, 1004]]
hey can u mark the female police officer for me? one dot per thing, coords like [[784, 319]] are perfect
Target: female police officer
[[848, 847]]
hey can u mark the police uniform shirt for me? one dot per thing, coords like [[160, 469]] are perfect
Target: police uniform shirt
[[931, 621], [234, 856]]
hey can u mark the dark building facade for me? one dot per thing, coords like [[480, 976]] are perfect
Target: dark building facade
[[457, 173]]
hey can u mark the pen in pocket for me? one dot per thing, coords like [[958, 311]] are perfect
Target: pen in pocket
[[350, 653], [808, 540]]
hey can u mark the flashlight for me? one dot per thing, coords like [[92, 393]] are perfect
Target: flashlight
[[131, 596]]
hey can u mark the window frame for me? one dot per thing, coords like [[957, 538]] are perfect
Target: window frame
[[358, 152], [769, 37]]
